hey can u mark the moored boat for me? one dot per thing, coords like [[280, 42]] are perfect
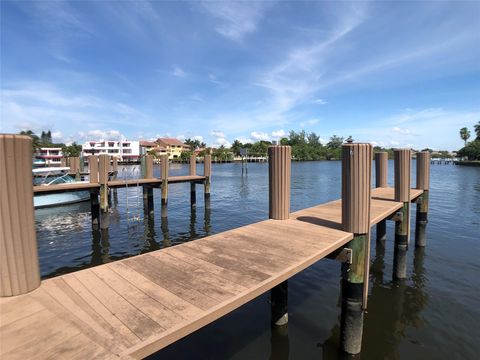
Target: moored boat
[[55, 176]]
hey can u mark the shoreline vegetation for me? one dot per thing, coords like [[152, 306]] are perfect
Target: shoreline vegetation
[[305, 147]]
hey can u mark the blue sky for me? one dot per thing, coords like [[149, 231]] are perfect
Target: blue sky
[[393, 73]]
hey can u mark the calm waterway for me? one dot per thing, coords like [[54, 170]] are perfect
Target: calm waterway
[[434, 314]]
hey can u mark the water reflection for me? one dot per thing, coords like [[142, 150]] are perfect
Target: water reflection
[[280, 343], [392, 307]]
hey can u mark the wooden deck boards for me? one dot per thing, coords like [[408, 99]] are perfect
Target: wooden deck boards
[[136, 306]]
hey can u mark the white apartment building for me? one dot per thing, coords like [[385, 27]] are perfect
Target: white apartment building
[[50, 156], [124, 150]]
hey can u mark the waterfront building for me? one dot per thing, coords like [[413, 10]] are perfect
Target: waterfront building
[[124, 150], [151, 146], [50, 156], [173, 146]]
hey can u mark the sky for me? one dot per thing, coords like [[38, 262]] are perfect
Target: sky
[[397, 74]]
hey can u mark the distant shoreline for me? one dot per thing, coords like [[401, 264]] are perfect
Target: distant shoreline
[[468, 163]]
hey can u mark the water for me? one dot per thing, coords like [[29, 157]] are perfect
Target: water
[[434, 314]]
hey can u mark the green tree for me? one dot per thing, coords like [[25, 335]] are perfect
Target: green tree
[[335, 142], [313, 139], [297, 138], [464, 134], [185, 155], [35, 139], [194, 144], [477, 130], [236, 146], [72, 150], [284, 141], [472, 150]]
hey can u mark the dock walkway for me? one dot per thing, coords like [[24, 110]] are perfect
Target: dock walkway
[[82, 186], [134, 307]]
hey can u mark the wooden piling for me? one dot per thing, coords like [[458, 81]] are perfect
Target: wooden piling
[[423, 183], [193, 165], [63, 162], [207, 172], [279, 172], [93, 168], [19, 268], [164, 175], [193, 172], [381, 180], [356, 196], [103, 170], [402, 159], [148, 190]]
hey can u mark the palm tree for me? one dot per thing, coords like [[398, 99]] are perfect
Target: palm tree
[[477, 130], [465, 134]]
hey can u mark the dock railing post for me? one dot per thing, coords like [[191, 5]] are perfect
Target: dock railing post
[[381, 176], [148, 190], [164, 175], [193, 172], [423, 183], [279, 171], [356, 198], [103, 170], [402, 159], [207, 172], [19, 267]]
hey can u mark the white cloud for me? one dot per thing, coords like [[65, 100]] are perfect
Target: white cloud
[[403, 131], [320, 102], [217, 133], [309, 122], [244, 140], [178, 71], [236, 19], [101, 135], [257, 135], [279, 134], [44, 106], [57, 136]]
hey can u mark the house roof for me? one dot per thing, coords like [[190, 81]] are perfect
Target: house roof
[[170, 141], [147, 143]]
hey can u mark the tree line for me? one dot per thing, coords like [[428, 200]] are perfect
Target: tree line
[[45, 141], [305, 147], [471, 150]]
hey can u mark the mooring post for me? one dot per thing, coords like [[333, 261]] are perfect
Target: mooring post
[[19, 268], [147, 189], [94, 202], [381, 170], [402, 159], [164, 174], [115, 172], [63, 162], [103, 169], [356, 196], [193, 172], [207, 172], [279, 170], [423, 183]]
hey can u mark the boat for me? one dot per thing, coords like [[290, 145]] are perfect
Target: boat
[[54, 176]]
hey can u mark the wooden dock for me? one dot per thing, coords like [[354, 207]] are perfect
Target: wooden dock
[[112, 184], [136, 306]]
